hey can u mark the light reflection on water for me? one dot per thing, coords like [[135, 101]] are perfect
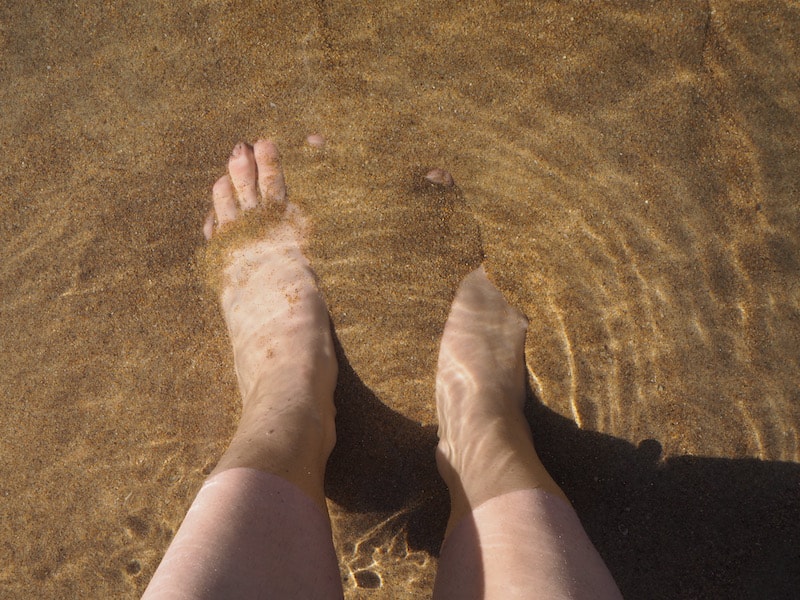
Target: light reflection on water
[[631, 195]]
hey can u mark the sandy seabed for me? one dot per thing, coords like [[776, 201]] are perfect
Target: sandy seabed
[[631, 171]]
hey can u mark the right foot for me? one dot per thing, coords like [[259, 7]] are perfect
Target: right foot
[[485, 445], [277, 321]]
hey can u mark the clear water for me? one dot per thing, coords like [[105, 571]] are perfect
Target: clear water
[[632, 170]]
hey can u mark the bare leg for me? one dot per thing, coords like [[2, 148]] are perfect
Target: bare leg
[[259, 527], [512, 532]]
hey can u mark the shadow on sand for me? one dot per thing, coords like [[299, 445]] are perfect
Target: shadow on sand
[[683, 528]]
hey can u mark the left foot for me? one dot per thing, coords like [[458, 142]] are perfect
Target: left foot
[[277, 321]]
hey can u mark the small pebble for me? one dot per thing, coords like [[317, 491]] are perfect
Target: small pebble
[[315, 140], [440, 177]]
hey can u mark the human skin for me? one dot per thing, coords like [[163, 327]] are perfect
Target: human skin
[[259, 526], [279, 329]]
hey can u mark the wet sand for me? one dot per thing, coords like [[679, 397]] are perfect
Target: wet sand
[[630, 170]]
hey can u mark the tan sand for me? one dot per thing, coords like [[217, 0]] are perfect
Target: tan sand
[[631, 170]]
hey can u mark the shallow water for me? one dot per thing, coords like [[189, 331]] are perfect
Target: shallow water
[[631, 171]]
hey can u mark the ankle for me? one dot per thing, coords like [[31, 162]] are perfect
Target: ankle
[[480, 463], [291, 442], [305, 416]]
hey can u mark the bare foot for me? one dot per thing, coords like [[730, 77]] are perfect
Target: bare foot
[[278, 324], [485, 445]]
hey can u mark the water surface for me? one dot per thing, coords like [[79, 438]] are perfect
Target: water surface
[[630, 169]]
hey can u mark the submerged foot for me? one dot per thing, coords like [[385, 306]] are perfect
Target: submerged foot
[[277, 321], [485, 445]]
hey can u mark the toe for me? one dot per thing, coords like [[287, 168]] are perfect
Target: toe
[[242, 169], [224, 201], [270, 173]]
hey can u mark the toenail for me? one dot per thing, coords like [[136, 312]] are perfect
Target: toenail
[[268, 151], [237, 150]]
